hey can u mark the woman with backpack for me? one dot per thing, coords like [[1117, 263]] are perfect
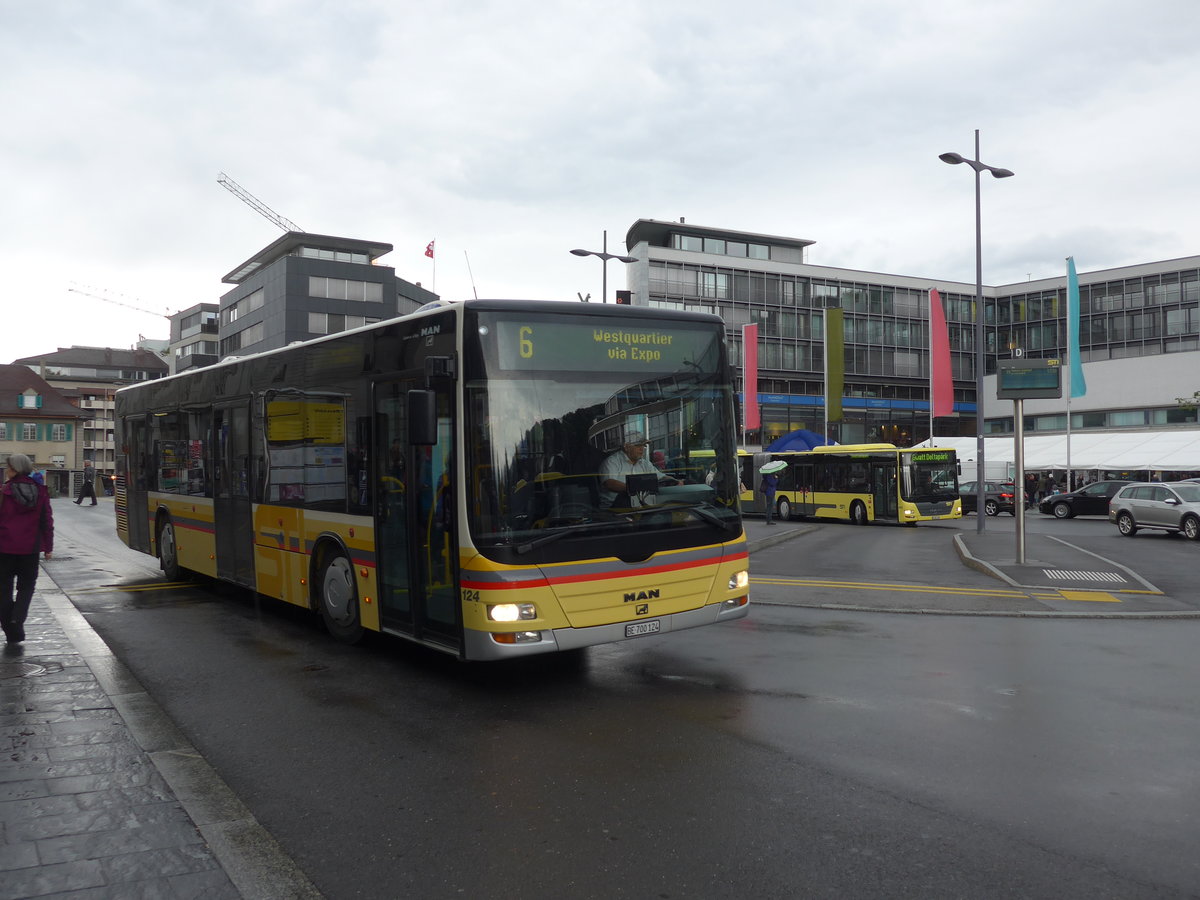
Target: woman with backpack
[[26, 530]]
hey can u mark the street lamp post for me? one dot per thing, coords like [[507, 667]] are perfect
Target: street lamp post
[[605, 256], [954, 159]]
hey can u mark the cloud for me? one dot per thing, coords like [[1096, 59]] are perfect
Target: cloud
[[513, 131]]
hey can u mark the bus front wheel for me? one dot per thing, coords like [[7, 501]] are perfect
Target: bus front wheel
[[784, 509], [168, 550], [858, 513], [338, 598]]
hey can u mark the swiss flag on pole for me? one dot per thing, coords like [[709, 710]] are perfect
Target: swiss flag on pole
[[429, 249]]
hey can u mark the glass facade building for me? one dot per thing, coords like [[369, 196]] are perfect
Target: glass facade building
[[746, 278]]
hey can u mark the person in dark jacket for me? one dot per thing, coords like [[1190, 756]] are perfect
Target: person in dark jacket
[[87, 488], [768, 487], [26, 530]]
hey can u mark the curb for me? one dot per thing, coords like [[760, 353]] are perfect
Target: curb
[[253, 860], [785, 535], [979, 565]]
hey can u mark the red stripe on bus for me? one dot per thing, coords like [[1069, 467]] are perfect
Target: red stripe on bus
[[592, 576]]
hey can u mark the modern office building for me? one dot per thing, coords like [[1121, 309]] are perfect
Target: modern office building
[[303, 286], [1140, 335], [195, 341]]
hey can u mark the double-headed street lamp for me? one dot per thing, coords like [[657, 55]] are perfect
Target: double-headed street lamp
[[954, 159], [605, 256]]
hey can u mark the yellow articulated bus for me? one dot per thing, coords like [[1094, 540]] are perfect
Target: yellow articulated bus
[[858, 483], [442, 476]]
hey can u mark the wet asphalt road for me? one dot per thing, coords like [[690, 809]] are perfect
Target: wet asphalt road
[[796, 752]]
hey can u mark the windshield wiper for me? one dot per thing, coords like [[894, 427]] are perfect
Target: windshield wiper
[[557, 535], [704, 513]]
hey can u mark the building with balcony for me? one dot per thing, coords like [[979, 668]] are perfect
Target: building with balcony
[[194, 337], [1140, 335], [304, 286]]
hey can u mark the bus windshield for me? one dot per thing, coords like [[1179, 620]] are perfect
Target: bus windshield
[[549, 399], [929, 476]]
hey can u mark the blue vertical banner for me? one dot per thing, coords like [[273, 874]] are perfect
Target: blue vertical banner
[[1078, 384]]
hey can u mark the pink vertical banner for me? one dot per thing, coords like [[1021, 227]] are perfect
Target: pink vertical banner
[[750, 416], [941, 379]]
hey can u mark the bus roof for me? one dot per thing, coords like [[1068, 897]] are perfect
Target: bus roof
[[851, 448]]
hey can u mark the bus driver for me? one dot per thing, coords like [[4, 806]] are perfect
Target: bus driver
[[629, 460]]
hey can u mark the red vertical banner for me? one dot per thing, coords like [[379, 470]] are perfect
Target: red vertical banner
[[941, 379], [750, 416]]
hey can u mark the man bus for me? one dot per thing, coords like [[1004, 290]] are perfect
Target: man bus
[[437, 476], [859, 483]]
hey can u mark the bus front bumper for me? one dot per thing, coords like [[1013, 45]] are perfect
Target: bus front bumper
[[481, 645]]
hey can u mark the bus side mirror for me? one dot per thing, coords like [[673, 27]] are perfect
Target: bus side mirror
[[422, 418]]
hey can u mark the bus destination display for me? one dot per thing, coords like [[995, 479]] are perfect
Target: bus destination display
[[589, 347]]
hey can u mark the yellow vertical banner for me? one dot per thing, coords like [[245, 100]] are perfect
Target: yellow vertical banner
[[835, 364]]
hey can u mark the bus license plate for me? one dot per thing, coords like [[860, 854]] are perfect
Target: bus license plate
[[639, 628]]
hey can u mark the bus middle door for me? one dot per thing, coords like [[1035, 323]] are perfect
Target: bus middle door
[[233, 519], [802, 479], [884, 490]]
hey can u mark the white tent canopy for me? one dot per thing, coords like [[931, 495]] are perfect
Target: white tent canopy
[[1116, 451]]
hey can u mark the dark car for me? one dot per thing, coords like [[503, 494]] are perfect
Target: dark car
[[997, 497], [1090, 500]]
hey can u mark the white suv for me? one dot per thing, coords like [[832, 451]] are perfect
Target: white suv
[[1171, 507]]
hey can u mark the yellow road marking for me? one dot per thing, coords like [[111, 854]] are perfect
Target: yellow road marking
[[133, 588], [1090, 596], [875, 586]]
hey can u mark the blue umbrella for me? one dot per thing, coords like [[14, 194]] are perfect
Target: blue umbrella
[[801, 439]]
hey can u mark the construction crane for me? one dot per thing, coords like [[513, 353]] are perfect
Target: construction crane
[[254, 203], [77, 290]]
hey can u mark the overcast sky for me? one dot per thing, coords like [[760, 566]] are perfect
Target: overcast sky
[[511, 132]]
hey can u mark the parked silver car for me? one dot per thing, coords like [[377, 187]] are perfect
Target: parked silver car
[[1171, 507]]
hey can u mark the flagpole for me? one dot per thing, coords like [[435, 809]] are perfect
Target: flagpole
[[1070, 385], [1075, 380]]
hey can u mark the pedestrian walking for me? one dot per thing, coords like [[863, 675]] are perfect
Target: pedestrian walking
[[26, 530], [88, 487], [768, 486], [1043, 487]]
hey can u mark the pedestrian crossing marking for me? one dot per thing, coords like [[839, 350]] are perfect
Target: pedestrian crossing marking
[[1075, 575]]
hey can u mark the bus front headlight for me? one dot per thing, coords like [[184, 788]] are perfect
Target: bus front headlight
[[739, 581], [512, 612]]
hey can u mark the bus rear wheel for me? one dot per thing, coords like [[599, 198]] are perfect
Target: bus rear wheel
[[784, 509], [338, 598], [858, 513]]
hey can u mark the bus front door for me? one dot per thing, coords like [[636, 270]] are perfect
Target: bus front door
[[416, 552], [233, 520]]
